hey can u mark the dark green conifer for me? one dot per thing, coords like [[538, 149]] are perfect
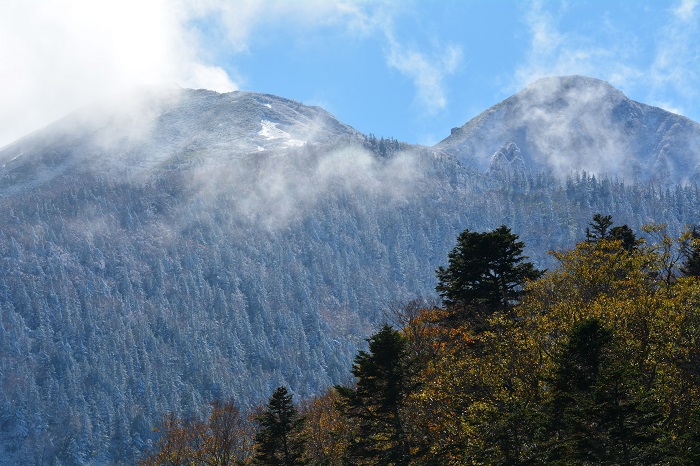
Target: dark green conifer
[[601, 411], [691, 251], [279, 441], [377, 400], [486, 273], [626, 236], [598, 229]]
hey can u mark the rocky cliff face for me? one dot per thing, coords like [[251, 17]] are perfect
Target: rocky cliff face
[[508, 163]]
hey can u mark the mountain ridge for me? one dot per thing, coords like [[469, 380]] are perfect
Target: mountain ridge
[[560, 125]]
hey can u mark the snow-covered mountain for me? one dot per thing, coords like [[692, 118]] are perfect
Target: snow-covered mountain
[[161, 251], [166, 128], [565, 124]]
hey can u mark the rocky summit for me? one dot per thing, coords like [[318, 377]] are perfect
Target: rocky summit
[[565, 124]]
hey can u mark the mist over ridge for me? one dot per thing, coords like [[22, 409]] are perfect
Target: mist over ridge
[[162, 251], [575, 123], [560, 125]]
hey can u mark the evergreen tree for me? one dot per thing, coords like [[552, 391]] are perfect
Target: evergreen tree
[[626, 236], [600, 412], [691, 251], [599, 230], [577, 370], [599, 227], [279, 441], [486, 273], [376, 402]]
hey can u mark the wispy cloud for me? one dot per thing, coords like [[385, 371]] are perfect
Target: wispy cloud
[[687, 10], [676, 66], [617, 55], [240, 20], [364, 19], [555, 52], [427, 71]]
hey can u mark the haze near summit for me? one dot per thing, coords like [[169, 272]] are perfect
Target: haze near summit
[[402, 69]]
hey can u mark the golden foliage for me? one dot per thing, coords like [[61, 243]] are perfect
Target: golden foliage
[[470, 382], [225, 439], [326, 430]]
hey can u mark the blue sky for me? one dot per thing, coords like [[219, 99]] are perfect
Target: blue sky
[[398, 68]]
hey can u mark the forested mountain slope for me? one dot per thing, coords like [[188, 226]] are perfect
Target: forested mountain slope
[[190, 246]]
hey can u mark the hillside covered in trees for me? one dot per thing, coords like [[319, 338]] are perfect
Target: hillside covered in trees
[[180, 246], [596, 361], [114, 312]]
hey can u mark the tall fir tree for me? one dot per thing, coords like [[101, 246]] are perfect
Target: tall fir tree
[[486, 273], [598, 228], [279, 441], [601, 412], [376, 403]]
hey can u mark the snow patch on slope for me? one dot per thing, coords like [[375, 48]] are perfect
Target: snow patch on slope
[[270, 131]]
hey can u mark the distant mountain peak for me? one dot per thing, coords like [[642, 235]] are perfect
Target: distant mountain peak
[[572, 123]]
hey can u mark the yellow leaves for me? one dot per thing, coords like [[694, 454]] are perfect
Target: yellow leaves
[[326, 430], [654, 317], [225, 438]]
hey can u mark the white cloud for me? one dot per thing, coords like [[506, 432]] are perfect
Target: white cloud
[[553, 52], [677, 60], [686, 10], [240, 19], [57, 56], [618, 56], [359, 17], [426, 71]]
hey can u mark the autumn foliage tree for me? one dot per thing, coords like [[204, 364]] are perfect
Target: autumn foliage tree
[[327, 431], [224, 439], [510, 396], [228, 436]]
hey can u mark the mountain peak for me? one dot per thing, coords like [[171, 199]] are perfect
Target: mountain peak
[[573, 123], [154, 128], [569, 90], [568, 82]]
